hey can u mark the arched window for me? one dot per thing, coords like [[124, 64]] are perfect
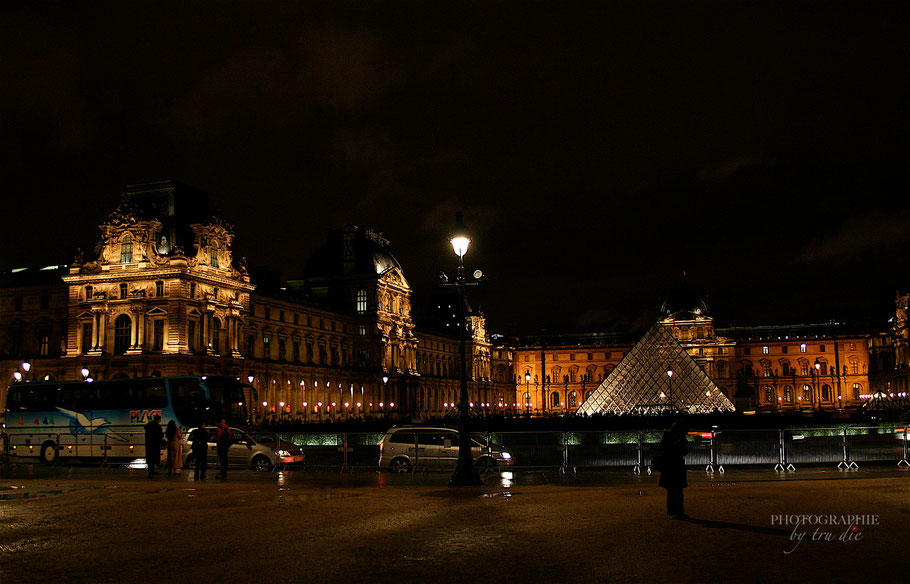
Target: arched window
[[122, 329], [126, 249], [573, 399], [722, 369], [361, 304], [554, 400], [826, 393], [788, 394], [769, 394], [213, 254], [807, 393]]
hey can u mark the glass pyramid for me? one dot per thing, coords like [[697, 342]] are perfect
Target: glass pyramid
[[640, 383]]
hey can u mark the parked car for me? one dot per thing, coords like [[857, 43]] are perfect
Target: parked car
[[408, 447], [256, 449]]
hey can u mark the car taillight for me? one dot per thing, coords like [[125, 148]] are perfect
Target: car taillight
[[381, 444]]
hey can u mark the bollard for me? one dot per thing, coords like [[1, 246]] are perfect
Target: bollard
[[846, 463], [636, 469], [712, 446], [782, 464], [904, 461], [4, 451]]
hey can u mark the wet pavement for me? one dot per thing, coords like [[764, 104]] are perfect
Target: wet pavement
[[84, 523]]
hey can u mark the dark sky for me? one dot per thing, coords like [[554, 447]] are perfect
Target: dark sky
[[597, 150]]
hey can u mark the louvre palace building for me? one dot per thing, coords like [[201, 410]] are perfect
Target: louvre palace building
[[163, 294]]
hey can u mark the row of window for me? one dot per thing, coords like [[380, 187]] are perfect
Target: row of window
[[41, 340], [124, 290], [574, 356], [44, 302], [803, 348], [805, 369], [788, 395]]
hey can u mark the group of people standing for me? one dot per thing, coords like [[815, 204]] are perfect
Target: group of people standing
[[199, 447]]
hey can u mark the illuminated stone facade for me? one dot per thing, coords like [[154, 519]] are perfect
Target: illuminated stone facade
[[799, 367], [163, 294]]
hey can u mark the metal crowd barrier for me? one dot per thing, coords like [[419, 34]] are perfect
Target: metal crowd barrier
[[715, 449]]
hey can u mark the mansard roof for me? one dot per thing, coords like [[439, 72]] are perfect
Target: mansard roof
[[174, 205], [351, 251]]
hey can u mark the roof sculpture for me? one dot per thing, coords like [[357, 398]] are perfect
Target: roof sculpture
[[640, 383]]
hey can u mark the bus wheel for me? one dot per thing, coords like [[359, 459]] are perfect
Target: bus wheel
[[49, 452]]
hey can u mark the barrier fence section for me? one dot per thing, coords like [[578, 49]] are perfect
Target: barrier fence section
[[713, 449]]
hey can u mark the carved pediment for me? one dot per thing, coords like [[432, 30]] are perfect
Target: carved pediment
[[125, 214]]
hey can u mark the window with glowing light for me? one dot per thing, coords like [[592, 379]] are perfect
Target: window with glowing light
[[213, 254], [126, 249]]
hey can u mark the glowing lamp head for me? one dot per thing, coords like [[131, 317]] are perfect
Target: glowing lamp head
[[527, 377], [26, 366], [84, 372], [669, 372], [459, 237], [250, 378]]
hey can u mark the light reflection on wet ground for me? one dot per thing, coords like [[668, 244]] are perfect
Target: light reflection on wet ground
[[15, 479]]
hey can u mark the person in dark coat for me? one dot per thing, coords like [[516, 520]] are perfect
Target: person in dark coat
[[199, 446], [153, 437], [673, 449], [223, 440]]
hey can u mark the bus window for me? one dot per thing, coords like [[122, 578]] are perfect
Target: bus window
[[147, 396], [66, 397], [188, 400], [112, 396]]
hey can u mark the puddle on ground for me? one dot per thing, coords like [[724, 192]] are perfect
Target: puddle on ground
[[504, 495], [313, 496], [19, 495]]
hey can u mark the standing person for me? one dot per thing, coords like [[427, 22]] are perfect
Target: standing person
[[153, 437], [223, 440], [199, 446], [672, 465], [174, 436]]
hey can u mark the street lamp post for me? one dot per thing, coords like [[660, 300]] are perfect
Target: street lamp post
[[818, 380], [527, 396], [465, 473], [670, 388]]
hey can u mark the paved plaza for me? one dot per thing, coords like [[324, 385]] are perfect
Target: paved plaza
[[116, 525]]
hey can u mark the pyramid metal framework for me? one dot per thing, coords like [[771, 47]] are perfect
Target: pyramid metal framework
[[640, 384]]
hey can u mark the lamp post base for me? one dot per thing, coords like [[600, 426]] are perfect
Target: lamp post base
[[465, 476]]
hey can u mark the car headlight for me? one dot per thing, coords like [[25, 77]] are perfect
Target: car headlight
[[505, 455], [283, 453]]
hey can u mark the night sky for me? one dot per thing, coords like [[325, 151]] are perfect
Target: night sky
[[598, 150]]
